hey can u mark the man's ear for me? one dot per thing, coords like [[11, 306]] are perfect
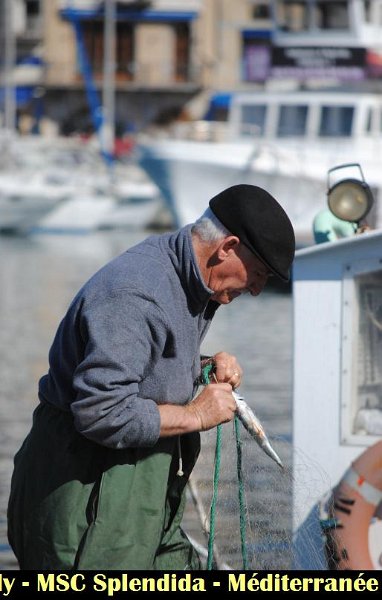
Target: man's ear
[[228, 245]]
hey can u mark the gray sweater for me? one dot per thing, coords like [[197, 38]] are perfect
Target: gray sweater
[[130, 340]]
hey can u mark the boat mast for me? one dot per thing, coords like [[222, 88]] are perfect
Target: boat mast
[[108, 93], [8, 35]]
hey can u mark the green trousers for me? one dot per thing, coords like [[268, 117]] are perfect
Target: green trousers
[[77, 505]]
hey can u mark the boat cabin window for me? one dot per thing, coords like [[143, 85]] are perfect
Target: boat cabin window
[[252, 119], [362, 360], [336, 121], [292, 121]]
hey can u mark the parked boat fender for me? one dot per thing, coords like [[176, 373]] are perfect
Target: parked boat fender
[[353, 507]]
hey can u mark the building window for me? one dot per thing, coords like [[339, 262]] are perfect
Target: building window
[[261, 10], [33, 8], [124, 51], [367, 8], [93, 38], [331, 15], [182, 51], [292, 15], [33, 13], [94, 43]]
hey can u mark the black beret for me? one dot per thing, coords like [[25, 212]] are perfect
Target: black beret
[[254, 216]]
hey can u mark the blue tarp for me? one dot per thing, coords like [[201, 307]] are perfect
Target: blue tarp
[[31, 60], [219, 101], [23, 95]]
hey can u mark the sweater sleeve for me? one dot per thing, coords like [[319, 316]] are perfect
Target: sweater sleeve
[[122, 337]]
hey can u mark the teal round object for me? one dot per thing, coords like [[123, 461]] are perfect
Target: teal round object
[[329, 228]]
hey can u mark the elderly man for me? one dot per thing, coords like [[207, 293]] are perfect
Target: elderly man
[[99, 481]]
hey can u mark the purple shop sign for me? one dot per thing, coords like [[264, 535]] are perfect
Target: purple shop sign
[[257, 63]]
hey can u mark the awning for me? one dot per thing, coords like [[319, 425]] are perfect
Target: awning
[[124, 14], [256, 34]]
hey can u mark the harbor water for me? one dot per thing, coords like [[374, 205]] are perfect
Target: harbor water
[[39, 275]]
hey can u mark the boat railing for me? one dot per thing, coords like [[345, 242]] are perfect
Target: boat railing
[[198, 130], [250, 130], [206, 131]]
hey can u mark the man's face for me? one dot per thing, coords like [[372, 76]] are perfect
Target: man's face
[[240, 272]]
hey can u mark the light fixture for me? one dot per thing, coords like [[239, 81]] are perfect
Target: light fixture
[[349, 199]]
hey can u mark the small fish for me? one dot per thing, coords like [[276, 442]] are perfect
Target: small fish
[[254, 427]]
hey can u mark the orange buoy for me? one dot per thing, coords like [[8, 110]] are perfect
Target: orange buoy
[[353, 506]]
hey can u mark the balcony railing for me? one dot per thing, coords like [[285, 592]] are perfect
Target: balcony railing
[[160, 74]]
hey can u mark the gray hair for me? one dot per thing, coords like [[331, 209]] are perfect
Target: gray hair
[[209, 228]]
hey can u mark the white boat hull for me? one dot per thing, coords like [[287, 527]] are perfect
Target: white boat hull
[[20, 214], [24, 200], [88, 213], [285, 143], [131, 205], [190, 173], [65, 186]]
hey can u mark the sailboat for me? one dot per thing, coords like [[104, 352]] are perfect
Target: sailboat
[[120, 196], [58, 184], [25, 194]]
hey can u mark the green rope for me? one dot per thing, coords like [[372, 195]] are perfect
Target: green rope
[[206, 374], [211, 538], [243, 533], [243, 529]]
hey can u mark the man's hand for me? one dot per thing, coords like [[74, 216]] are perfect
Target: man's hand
[[227, 369], [213, 406]]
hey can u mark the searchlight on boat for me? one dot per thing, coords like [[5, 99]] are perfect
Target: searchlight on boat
[[349, 199]]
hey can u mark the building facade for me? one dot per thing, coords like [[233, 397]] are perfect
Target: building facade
[[167, 52]]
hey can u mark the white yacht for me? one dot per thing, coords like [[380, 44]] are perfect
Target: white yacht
[[62, 185], [285, 143], [31, 184]]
